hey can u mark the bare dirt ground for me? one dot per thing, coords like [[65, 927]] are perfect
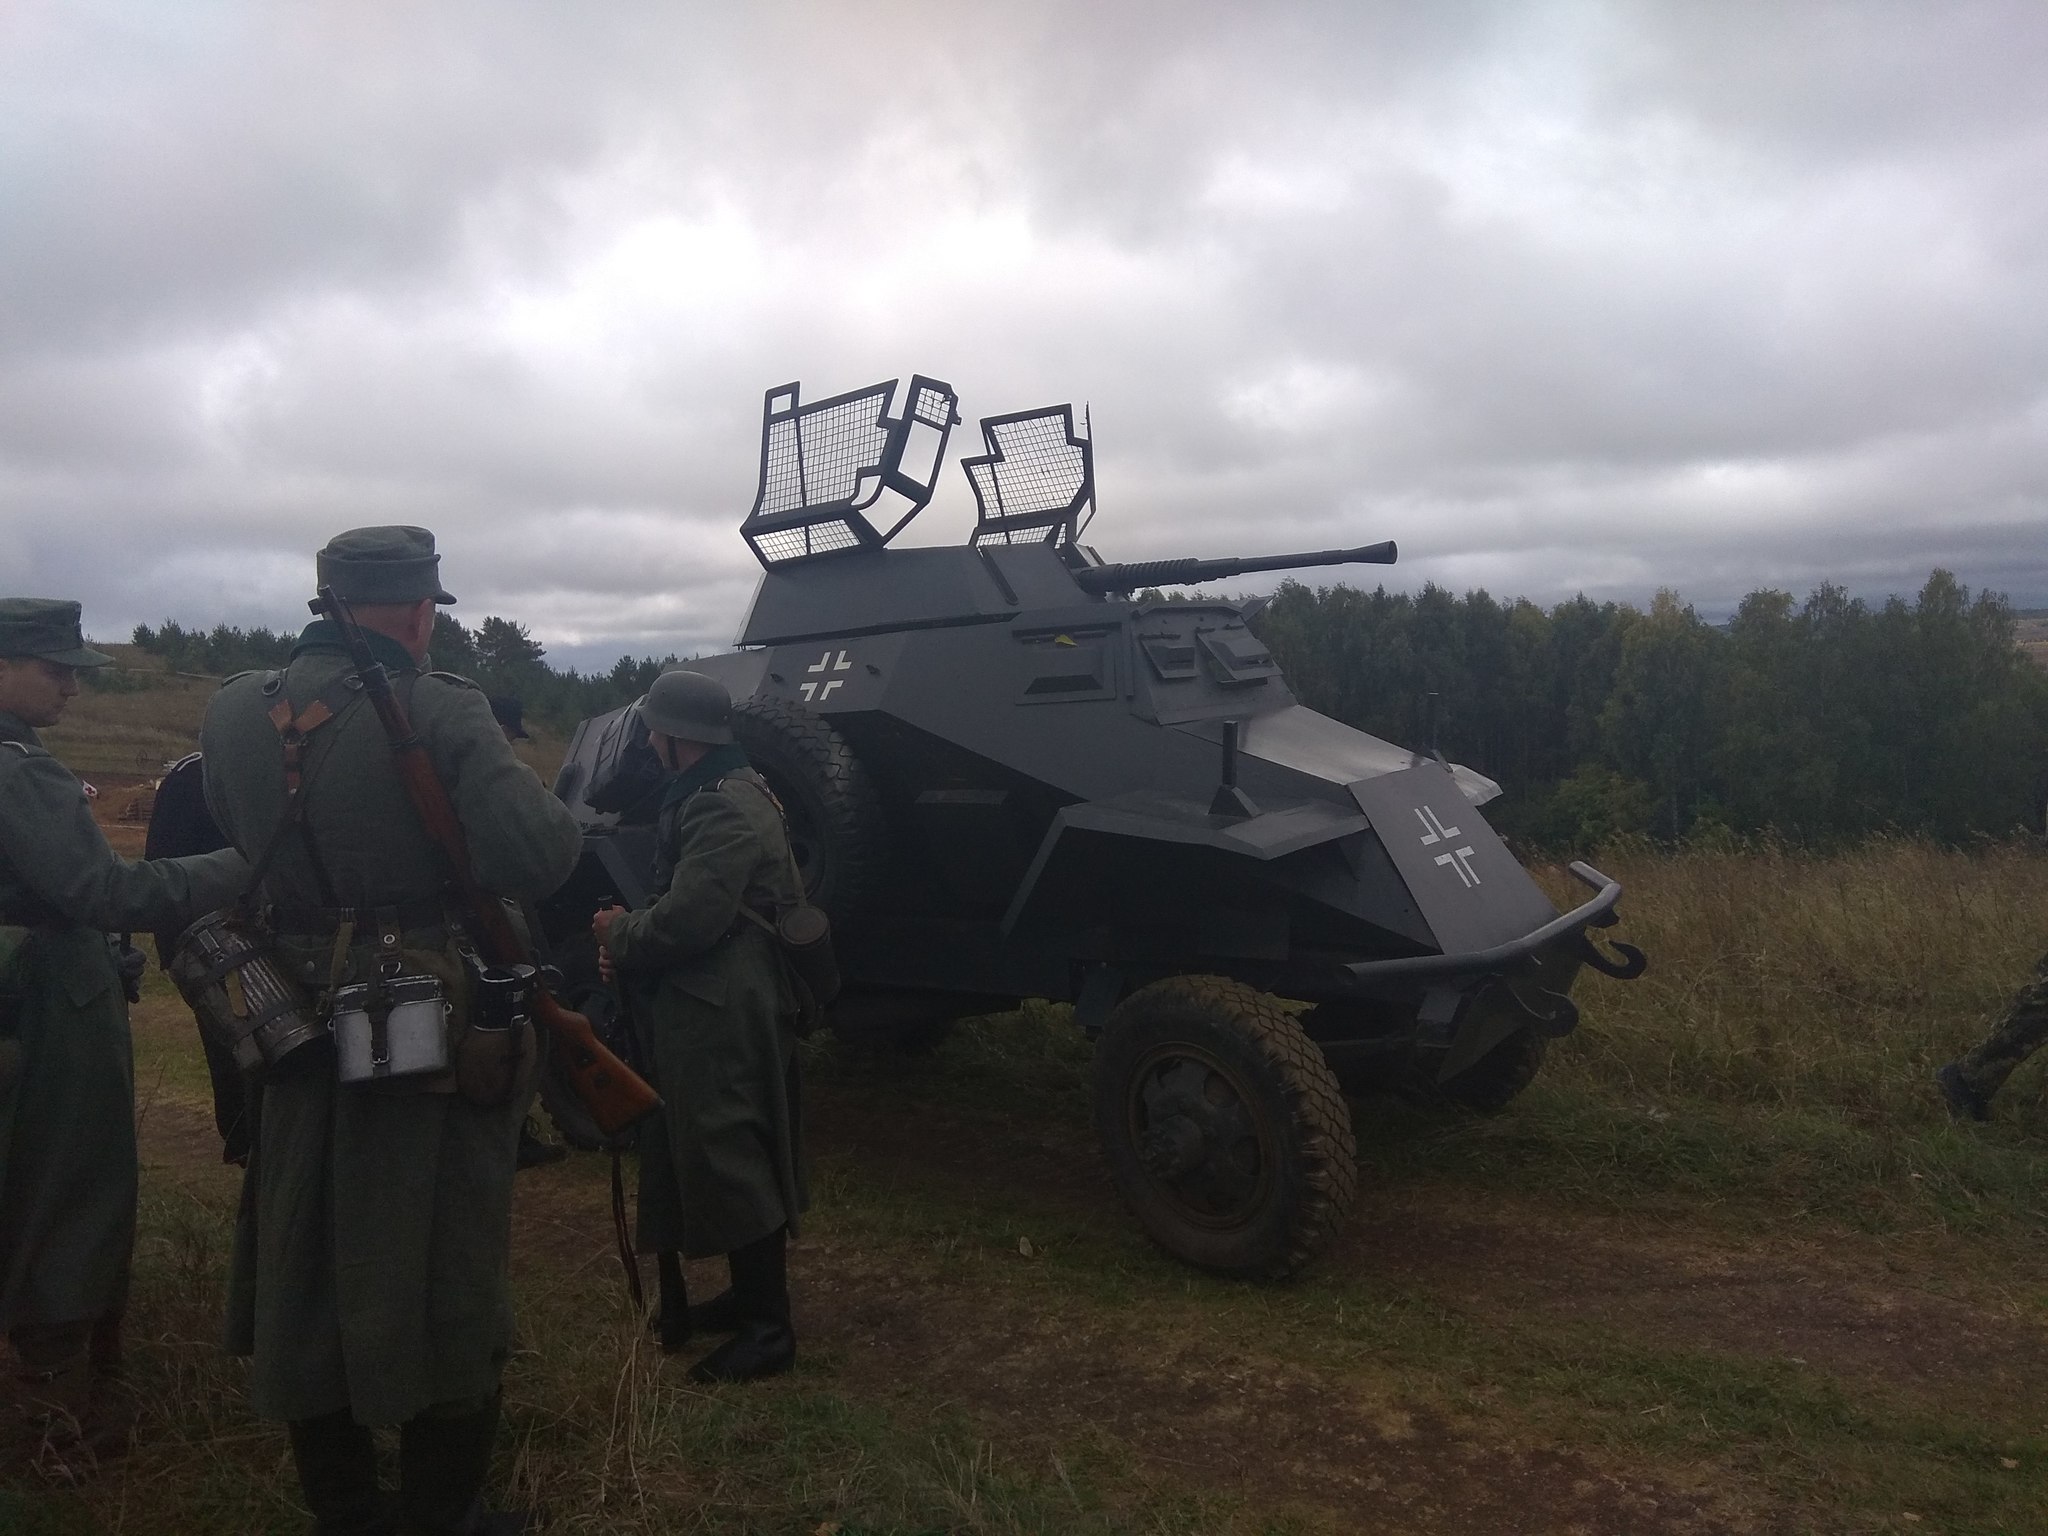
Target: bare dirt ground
[[1340, 1443]]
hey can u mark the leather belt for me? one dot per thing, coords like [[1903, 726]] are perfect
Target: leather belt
[[319, 922]]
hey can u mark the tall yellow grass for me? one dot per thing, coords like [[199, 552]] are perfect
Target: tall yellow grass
[[1841, 978], [152, 720]]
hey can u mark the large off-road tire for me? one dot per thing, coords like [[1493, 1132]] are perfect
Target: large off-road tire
[[836, 825], [1224, 1129], [1494, 1081]]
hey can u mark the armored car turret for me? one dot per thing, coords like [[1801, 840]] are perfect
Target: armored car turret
[[1008, 777]]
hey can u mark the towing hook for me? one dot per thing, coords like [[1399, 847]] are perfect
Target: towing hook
[[1633, 961], [1551, 1014]]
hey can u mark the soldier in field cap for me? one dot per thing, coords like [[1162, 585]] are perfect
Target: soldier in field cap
[[369, 1281], [67, 1099]]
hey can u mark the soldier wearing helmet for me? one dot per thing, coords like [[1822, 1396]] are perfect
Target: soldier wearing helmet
[[721, 1167]]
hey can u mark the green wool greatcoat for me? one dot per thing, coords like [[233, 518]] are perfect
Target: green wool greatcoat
[[721, 1166], [371, 1247], [67, 1093]]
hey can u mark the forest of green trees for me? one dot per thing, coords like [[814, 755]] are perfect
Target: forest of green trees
[[499, 653], [1819, 722]]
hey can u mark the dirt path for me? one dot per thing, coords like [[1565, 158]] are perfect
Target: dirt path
[[1859, 1309], [1348, 1445]]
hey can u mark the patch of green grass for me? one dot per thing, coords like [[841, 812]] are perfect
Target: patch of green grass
[[168, 1062], [599, 1430], [1813, 1440], [1786, 1166], [1766, 1083]]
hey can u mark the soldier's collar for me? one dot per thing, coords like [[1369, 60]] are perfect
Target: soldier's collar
[[14, 728], [708, 769], [326, 635]]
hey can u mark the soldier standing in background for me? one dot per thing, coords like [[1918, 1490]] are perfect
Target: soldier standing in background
[[369, 1280], [510, 714], [67, 1074], [721, 1166], [1968, 1083]]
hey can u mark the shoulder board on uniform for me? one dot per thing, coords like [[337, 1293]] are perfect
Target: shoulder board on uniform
[[751, 778], [184, 762], [237, 677], [20, 746], [458, 680]]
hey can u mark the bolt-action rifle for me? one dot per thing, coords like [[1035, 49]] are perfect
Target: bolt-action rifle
[[613, 1092]]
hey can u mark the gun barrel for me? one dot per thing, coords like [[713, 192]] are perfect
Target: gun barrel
[[1178, 573]]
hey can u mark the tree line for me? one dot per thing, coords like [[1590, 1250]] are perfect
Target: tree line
[[499, 654], [1820, 722]]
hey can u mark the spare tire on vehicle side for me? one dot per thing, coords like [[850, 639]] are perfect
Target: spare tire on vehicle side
[[837, 828]]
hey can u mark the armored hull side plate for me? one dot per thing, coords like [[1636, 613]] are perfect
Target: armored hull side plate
[[1470, 887]]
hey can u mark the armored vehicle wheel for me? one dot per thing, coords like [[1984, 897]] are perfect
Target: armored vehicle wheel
[[1493, 1081], [1224, 1129], [835, 817]]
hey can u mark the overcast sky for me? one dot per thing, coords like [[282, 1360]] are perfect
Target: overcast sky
[[1574, 296]]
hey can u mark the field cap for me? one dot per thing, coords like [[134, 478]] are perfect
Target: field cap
[[383, 565], [48, 628], [690, 707]]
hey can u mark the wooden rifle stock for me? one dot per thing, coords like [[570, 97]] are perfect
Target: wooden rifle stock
[[613, 1092]]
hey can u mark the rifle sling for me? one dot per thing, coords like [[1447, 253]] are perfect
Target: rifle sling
[[294, 727]]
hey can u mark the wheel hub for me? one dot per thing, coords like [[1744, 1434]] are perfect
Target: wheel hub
[[1196, 1133], [1174, 1148]]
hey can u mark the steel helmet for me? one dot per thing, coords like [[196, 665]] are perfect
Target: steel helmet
[[690, 707]]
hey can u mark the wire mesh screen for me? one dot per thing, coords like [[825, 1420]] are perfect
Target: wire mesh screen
[[1034, 479], [933, 405], [812, 539], [816, 456], [844, 474]]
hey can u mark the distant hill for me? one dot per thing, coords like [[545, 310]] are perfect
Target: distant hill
[[138, 715]]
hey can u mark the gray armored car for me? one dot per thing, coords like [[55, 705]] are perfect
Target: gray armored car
[[1008, 778]]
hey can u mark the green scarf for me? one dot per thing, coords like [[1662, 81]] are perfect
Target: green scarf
[[708, 769]]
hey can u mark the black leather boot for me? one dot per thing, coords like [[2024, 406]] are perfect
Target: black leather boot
[[337, 1462], [721, 1314], [758, 1349], [78, 1415], [443, 1459], [765, 1343]]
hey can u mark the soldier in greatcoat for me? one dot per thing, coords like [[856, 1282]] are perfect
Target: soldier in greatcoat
[[67, 1092], [369, 1281], [721, 1167]]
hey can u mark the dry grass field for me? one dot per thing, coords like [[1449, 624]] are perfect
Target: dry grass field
[[1726, 1267]]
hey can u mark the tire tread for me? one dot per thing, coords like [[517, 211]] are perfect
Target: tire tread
[[1327, 1163]]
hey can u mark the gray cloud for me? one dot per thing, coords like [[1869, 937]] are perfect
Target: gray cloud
[[1579, 295]]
